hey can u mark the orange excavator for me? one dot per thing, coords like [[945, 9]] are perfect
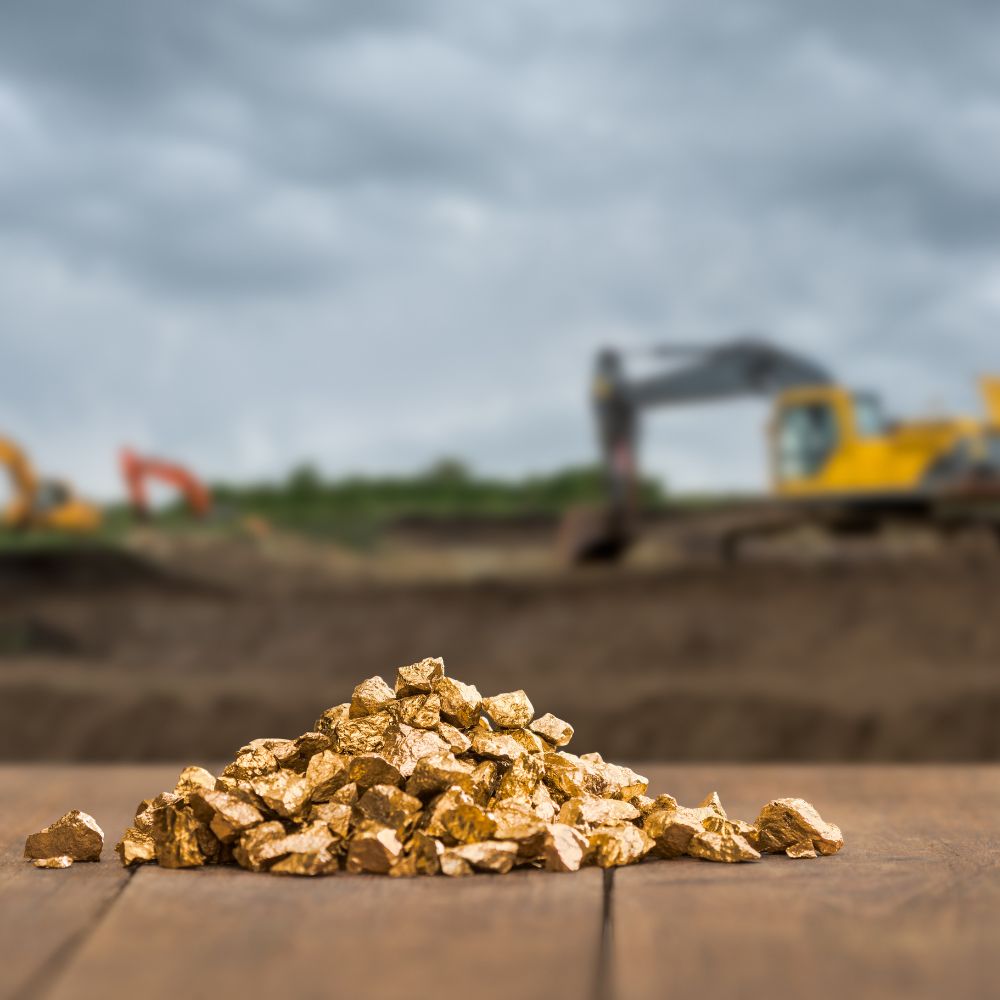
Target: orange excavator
[[137, 469]]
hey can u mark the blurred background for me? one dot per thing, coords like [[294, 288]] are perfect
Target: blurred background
[[546, 340]]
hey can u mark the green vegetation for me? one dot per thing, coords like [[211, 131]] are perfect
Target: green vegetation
[[354, 508]]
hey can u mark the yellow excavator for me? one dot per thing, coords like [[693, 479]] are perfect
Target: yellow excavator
[[835, 457], [42, 504]]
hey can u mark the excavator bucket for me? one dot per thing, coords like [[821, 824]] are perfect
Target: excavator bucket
[[591, 534]]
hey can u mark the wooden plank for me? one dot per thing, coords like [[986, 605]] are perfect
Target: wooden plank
[[225, 932], [45, 914], [911, 906]]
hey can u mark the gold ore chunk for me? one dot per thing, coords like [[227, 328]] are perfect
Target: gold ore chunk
[[497, 856], [336, 815], [509, 711], [422, 856], [405, 746], [672, 829], [460, 703], [75, 835], [457, 741], [348, 795], [794, 823], [587, 811], [373, 769], [308, 863], [326, 772], [516, 821], [613, 846], [454, 865], [620, 782], [564, 848], [552, 729], [363, 735], [438, 772], [369, 696], [388, 806], [296, 754], [260, 845], [568, 776], [373, 848], [531, 742], [419, 678], [522, 778], [422, 711], [194, 779], [136, 845], [60, 861], [251, 762], [456, 818], [284, 791], [232, 815], [721, 847], [485, 776], [327, 723], [176, 832], [496, 746]]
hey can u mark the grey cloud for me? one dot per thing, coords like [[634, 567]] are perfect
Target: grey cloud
[[375, 232]]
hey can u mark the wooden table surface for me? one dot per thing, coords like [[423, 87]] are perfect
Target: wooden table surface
[[910, 907]]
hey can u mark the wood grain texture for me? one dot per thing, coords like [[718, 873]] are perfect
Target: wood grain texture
[[44, 915], [233, 933], [910, 907]]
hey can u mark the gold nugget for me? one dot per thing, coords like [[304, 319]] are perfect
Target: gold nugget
[[62, 861], [794, 826], [75, 835]]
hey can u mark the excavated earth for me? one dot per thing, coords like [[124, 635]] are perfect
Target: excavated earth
[[185, 654]]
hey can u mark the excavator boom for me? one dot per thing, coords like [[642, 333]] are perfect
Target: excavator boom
[[137, 469]]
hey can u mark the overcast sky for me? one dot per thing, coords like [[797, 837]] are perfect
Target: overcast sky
[[248, 234]]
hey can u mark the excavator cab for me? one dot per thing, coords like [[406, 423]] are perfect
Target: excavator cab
[[56, 507], [829, 442], [810, 426]]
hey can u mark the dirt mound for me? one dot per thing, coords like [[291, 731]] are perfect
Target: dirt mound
[[864, 660], [62, 568], [26, 635]]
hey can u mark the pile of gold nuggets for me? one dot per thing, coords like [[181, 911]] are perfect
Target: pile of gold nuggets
[[431, 778]]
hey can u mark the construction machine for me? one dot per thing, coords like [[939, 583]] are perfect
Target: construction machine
[[43, 504], [834, 455], [137, 469]]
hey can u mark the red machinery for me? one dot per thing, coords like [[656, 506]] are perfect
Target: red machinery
[[136, 469]]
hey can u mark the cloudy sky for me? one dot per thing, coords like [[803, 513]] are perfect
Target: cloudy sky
[[370, 233]]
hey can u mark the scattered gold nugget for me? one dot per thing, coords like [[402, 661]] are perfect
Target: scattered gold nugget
[[62, 861], [427, 777], [75, 836]]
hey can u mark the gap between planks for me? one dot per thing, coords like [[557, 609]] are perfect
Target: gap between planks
[[604, 971], [45, 978]]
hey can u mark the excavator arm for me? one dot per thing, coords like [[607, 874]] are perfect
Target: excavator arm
[[743, 367], [747, 366], [17, 512], [136, 469]]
